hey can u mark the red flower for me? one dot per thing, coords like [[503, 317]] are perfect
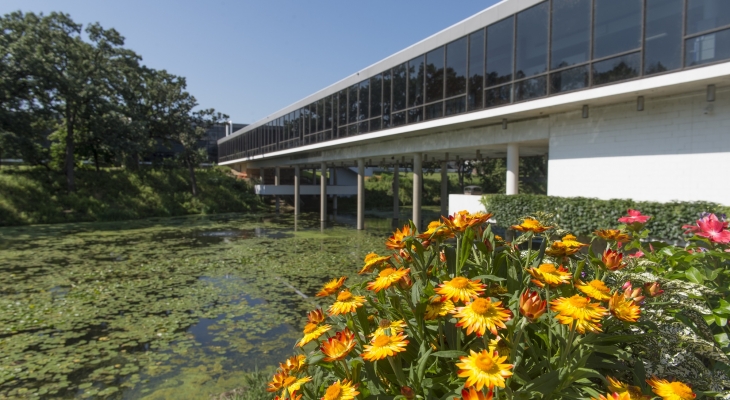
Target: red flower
[[710, 227], [634, 216]]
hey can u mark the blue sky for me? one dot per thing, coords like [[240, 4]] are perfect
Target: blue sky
[[249, 59]]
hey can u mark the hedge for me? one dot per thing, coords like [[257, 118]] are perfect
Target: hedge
[[582, 215]]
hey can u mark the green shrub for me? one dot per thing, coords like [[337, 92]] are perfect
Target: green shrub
[[582, 215]]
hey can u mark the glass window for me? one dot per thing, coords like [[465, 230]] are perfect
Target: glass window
[[399, 87], [415, 82], [352, 104], [703, 15], [352, 130], [386, 99], [376, 87], [455, 106], [476, 70], [313, 117], [328, 112], [305, 120], [363, 127], [342, 106], [498, 96], [364, 100], [499, 52], [616, 69], [571, 32], [532, 35], [569, 79], [456, 67], [398, 119], [662, 33], [320, 115], [435, 110], [297, 125], [435, 75], [708, 48], [415, 115], [617, 27], [375, 124]]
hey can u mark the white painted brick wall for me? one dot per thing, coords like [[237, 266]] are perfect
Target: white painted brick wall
[[672, 150]]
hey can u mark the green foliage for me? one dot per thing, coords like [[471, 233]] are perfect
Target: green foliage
[[114, 195], [582, 215]]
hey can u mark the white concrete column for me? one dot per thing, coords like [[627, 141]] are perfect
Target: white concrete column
[[360, 194], [297, 179], [396, 192], [277, 182], [445, 186], [513, 168], [417, 182], [323, 192], [333, 180]]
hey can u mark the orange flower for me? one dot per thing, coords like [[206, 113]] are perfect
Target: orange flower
[[623, 309], [316, 316], [482, 314], [384, 346], [438, 306], [634, 392], [373, 260], [386, 278], [652, 289], [613, 235], [531, 225], [463, 219], [473, 394], [460, 289], [569, 245], [580, 310], [595, 289], [671, 390], [532, 306], [285, 382], [613, 260], [436, 230], [396, 241], [344, 390], [614, 396], [312, 332], [331, 287], [346, 303], [548, 274], [485, 368], [336, 348], [293, 364]]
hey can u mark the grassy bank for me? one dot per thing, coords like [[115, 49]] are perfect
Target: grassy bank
[[37, 196]]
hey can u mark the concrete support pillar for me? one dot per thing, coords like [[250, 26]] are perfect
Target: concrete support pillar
[[513, 168], [323, 192], [360, 194], [277, 182], [297, 179], [396, 192], [333, 180], [445, 186], [417, 192]]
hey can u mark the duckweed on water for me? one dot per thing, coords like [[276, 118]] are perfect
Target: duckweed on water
[[177, 307]]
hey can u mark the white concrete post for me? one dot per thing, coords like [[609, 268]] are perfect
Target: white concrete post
[[333, 179], [360, 194], [417, 182], [396, 192], [297, 179], [277, 182], [323, 192], [444, 187], [513, 168]]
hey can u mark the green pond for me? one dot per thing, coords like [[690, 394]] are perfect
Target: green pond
[[163, 308]]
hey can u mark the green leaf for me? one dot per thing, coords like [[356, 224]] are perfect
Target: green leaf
[[489, 278], [449, 354], [694, 275]]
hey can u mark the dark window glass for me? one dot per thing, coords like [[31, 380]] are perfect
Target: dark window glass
[[571, 32], [376, 87], [363, 127], [415, 81], [399, 87], [708, 48], [499, 52], [532, 40], [476, 70], [415, 115], [375, 124], [305, 120], [498, 96], [398, 119], [320, 115], [617, 69], [313, 118], [386, 99], [569, 79], [662, 33], [352, 104], [328, 112], [456, 67], [342, 106], [704, 15], [364, 100], [352, 130], [617, 27], [297, 125], [435, 75], [455, 106], [435, 110]]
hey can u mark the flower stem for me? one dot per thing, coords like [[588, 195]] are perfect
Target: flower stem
[[550, 334], [398, 372]]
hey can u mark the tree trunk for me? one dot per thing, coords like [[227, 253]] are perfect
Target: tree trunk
[[70, 145], [193, 182]]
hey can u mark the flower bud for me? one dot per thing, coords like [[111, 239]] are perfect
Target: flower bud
[[407, 392], [442, 256], [652, 289], [613, 260], [632, 294], [532, 306]]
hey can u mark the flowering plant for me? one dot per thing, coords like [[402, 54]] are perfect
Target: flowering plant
[[459, 312]]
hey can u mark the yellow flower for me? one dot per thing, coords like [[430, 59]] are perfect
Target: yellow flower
[[634, 392], [482, 314], [568, 246], [336, 348], [500, 345], [387, 277], [283, 381], [614, 396], [463, 219], [531, 225], [344, 390], [438, 306], [586, 315], [484, 369], [395, 327], [613, 235], [595, 289], [460, 289], [548, 274], [384, 346], [473, 394], [623, 309], [436, 230], [316, 316], [346, 303], [373, 260], [670, 390], [311, 332], [293, 364], [395, 241], [331, 287]]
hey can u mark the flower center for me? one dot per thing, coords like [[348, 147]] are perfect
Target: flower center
[[288, 381], [484, 362], [333, 392], [387, 272], [481, 306], [578, 301], [547, 268], [344, 295], [596, 284], [459, 282], [309, 328], [381, 340]]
